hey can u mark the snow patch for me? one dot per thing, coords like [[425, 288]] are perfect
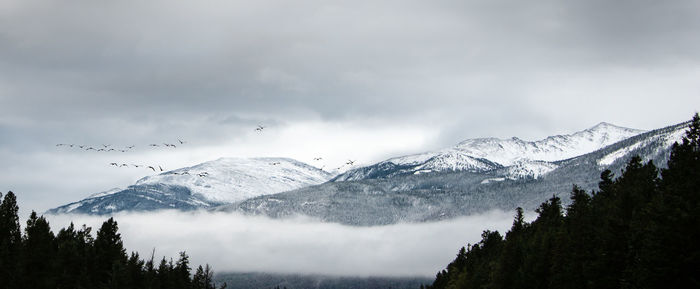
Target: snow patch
[[527, 168], [105, 193], [486, 181], [613, 156]]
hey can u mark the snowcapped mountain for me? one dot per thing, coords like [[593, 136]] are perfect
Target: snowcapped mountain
[[485, 154], [208, 184], [229, 180], [509, 151], [377, 197], [475, 176]]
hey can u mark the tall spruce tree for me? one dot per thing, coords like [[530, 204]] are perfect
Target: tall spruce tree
[[110, 255], [68, 258], [39, 254], [10, 241], [181, 272]]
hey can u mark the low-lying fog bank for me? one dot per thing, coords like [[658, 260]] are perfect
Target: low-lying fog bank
[[237, 243]]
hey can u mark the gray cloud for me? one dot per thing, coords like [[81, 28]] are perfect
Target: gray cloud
[[139, 72], [334, 59]]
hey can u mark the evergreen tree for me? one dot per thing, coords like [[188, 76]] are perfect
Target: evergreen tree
[[509, 264], [110, 256], [69, 258], [150, 273], [135, 272], [181, 272], [73, 259], [574, 244], [39, 254], [165, 269], [203, 278], [198, 279], [669, 232], [10, 241], [540, 246]]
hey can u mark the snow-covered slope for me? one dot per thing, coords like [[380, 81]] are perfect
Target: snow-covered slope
[[529, 168], [485, 154], [507, 152], [229, 180], [660, 141], [441, 195], [213, 183]]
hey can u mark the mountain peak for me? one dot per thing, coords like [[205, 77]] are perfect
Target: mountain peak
[[484, 154], [606, 126], [507, 152], [221, 181], [229, 180]]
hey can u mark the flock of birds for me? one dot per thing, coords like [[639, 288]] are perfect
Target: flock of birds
[[109, 148], [159, 168]]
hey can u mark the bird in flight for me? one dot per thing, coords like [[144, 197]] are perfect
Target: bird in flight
[[136, 166], [106, 145], [123, 165], [130, 147], [151, 167], [275, 163], [181, 141], [153, 145], [259, 128], [202, 174], [350, 162], [161, 168], [318, 158], [113, 164]]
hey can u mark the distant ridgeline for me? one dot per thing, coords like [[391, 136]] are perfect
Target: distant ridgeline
[[639, 230], [74, 259], [473, 177]]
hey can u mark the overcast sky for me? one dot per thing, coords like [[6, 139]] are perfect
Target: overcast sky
[[362, 80]]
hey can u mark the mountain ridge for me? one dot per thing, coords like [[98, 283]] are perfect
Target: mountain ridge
[[486, 154], [218, 182], [384, 193], [441, 195]]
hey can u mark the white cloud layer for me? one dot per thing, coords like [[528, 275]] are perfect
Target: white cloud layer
[[236, 243]]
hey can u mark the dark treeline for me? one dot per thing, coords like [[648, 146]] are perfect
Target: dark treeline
[[74, 259], [639, 230]]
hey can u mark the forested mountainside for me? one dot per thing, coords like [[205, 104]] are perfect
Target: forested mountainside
[[637, 230], [441, 195]]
